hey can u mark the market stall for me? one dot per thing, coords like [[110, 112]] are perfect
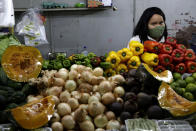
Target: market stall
[[146, 87]]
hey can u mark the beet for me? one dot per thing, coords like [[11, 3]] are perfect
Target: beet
[[130, 96], [155, 112], [130, 106], [132, 72], [124, 116], [117, 108], [144, 100]]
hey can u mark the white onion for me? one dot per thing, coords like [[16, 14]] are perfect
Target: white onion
[[92, 98], [118, 79], [80, 68], [55, 117], [84, 98], [113, 124], [73, 74], [98, 95], [84, 106], [87, 126], [68, 122], [73, 103], [98, 71], [63, 109], [74, 67], [70, 85], [56, 100], [100, 121], [64, 96], [62, 73], [95, 108], [58, 82], [75, 94], [108, 98], [95, 88], [110, 115], [99, 129], [57, 126], [87, 76], [55, 90], [119, 91], [105, 86], [80, 115]]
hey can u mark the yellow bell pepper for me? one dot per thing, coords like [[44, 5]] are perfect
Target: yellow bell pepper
[[110, 72], [136, 47], [124, 54], [122, 68], [134, 62], [111, 52], [150, 58], [113, 59]]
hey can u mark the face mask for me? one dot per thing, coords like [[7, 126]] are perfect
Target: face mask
[[157, 32]]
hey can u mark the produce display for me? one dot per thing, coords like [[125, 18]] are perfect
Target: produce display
[[96, 93]]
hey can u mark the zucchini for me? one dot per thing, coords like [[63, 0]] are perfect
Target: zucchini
[[3, 101], [14, 85]]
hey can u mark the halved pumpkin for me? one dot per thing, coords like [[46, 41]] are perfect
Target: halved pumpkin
[[176, 104], [22, 63], [34, 115]]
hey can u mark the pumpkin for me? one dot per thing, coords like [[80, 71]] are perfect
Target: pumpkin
[[22, 63], [176, 104], [35, 114]]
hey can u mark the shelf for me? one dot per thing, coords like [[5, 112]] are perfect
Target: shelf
[[64, 9]]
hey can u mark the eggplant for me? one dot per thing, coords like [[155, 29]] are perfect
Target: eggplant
[[144, 100], [117, 108], [130, 106], [132, 73], [155, 112], [130, 96], [124, 116]]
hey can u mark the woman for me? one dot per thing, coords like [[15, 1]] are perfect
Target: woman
[[151, 26]]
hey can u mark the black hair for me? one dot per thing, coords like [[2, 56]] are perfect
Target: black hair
[[142, 26]]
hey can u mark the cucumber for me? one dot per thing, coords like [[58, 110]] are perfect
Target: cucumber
[[3, 76], [14, 85]]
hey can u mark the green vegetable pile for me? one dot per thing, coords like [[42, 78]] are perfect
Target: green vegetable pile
[[61, 61], [12, 94], [185, 87]]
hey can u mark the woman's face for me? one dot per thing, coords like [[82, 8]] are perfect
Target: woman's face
[[156, 20]]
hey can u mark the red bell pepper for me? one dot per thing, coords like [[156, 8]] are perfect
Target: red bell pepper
[[177, 55], [152, 46], [191, 66], [181, 47], [170, 67], [180, 68], [166, 49], [159, 69], [165, 59], [189, 55], [171, 41]]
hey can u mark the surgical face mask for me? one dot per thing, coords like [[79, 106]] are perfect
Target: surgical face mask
[[156, 32]]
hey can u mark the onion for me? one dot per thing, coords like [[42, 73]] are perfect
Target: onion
[[88, 118], [87, 126], [63, 109], [92, 98], [95, 88], [80, 115], [56, 100], [64, 96], [76, 94], [55, 117], [31, 99], [62, 73], [113, 124], [104, 87], [39, 97], [87, 76], [88, 69], [85, 88], [73, 103], [119, 91], [98, 71], [95, 108], [68, 122], [55, 90], [73, 114], [98, 95], [108, 98], [80, 68], [118, 79], [110, 115], [84, 98], [57, 126], [74, 67], [84, 106], [70, 85], [119, 100], [99, 129], [73, 74], [100, 121], [58, 81]]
